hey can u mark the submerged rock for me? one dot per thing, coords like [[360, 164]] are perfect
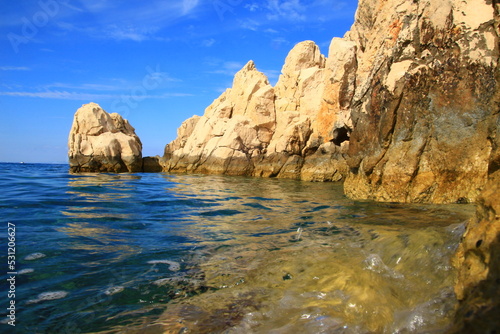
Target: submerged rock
[[478, 263], [102, 142]]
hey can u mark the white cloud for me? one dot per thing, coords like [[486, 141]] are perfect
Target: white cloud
[[271, 31], [127, 33], [227, 67], [252, 7], [250, 24], [272, 75], [288, 9], [279, 42], [188, 5], [65, 95], [134, 21], [208, 42], [14, 68], [91, 87]]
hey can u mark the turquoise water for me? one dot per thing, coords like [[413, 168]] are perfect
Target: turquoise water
[[160, 253]]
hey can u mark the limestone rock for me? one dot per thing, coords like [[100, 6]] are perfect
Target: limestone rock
[[426, 102], [102, 142], [478, 263], [236, 126], [256, 129]]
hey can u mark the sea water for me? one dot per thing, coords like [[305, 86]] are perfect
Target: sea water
[[162, 253]]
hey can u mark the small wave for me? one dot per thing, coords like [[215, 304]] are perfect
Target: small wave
[[34, 256], [172, 265], [26, 271], [50, 295], [374, 263], [113, 290]]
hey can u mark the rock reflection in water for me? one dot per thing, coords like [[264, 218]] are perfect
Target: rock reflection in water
[[100, 195]]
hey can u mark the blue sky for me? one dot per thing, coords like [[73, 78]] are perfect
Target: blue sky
[[156, 63]]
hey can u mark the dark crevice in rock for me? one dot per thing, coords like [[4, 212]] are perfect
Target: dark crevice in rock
[[341, 135]]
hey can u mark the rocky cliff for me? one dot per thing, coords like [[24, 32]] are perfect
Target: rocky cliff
[[102, 142], [405, 107], [425, 109]]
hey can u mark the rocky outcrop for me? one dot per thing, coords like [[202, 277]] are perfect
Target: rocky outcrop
[[102, 142], [406, 105], [478, 263], [260, 130], [425, 109]]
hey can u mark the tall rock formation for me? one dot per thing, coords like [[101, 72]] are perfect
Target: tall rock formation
[[425, 109], [102, 142], [260, 130]]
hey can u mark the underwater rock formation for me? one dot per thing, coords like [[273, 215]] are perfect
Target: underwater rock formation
[[478, 263], [102, 142]]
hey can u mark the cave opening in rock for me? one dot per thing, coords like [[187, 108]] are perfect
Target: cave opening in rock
[[341, 135]]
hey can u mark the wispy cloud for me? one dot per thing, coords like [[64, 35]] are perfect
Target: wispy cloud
[[250, 24], [290, 9], [86, 86], [65, 95], [133, 21], [208, 42], [188, 6], [225, 67], [280, 42], [252, 7], [127, 33], [272, 12], [272, 75], [14, 68]]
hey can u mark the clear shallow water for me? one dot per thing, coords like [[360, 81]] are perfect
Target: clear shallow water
[[159, 253]]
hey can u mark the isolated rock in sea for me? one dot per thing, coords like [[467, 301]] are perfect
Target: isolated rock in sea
[[478, 263], [102, 142], [425, 109]]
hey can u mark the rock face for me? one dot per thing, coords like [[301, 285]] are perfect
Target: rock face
[[425, 109], [478, 262], [260, 130], [102, 142]]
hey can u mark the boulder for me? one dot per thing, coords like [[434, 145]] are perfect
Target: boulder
[[152, 164], [102, 142]]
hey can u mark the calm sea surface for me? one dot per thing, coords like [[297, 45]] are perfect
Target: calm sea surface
[[160, 253]]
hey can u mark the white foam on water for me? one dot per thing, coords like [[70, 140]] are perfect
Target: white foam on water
[[50, 295], [34, 256], [172, 265], [113, 290]]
